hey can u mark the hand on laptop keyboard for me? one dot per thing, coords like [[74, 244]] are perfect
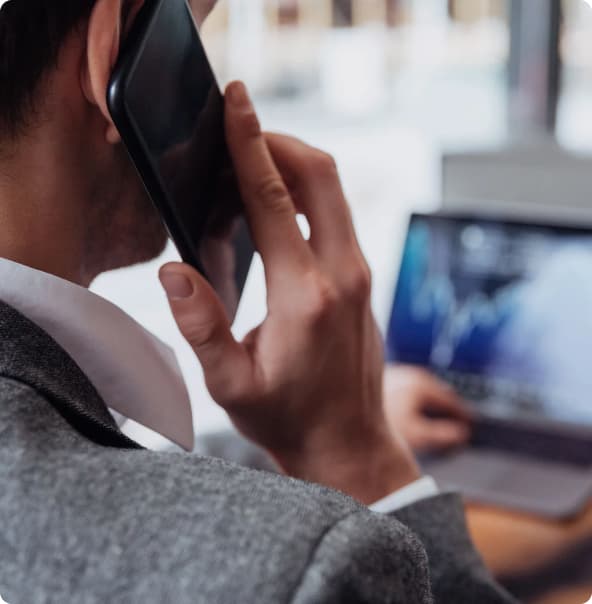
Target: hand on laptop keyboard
[[425, 410]]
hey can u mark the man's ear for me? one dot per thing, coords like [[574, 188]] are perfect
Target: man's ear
[[105, 29]]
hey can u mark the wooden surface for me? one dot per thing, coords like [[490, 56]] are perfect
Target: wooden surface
[[566, 596], [515, 545]]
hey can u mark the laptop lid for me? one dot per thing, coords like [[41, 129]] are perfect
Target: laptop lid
[[502, 310]]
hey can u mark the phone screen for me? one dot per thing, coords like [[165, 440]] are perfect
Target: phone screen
[[176, 111]]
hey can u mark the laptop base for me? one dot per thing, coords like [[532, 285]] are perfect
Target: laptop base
[[555, 491]]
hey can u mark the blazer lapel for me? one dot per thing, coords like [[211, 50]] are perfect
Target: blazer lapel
[[29, 355]]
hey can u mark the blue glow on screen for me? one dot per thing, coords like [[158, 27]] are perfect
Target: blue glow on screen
[[509, 303]]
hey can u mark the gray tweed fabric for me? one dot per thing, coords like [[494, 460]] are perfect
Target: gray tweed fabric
[[88, 517]]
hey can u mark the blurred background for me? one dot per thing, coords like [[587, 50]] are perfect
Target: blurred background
[[425, 104]]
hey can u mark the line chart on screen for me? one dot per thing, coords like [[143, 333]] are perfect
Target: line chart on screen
[[458, 319]]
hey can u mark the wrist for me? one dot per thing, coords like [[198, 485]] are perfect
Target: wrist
[[367, 472]]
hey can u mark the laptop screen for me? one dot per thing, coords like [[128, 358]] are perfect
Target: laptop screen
[[501, 310]]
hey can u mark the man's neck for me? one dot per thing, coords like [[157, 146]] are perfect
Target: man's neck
[[42, 176], [42, 224]]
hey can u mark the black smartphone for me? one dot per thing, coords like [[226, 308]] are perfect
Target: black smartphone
[[164, 100]]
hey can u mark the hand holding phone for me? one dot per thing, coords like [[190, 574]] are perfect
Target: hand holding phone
[[307, 383]]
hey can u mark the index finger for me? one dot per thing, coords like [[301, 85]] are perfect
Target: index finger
[[268, 204], [314, 181]]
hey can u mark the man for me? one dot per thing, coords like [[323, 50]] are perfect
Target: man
[[88, 516]]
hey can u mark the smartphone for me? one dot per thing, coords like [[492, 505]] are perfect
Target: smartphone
[[164, 100]]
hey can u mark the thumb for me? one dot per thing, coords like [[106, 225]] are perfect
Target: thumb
[[202, 320]]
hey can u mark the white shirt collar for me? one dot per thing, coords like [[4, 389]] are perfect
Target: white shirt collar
[[135, 373]]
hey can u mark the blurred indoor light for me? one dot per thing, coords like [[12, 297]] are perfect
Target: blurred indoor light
[[589, 3], [354, 70], [246, 38]]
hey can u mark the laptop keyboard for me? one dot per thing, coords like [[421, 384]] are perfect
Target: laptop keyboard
[[498, 435], [571, 450]]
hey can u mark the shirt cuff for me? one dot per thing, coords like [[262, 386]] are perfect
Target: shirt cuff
[[421, 489]]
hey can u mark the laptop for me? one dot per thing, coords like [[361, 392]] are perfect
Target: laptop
[[502, 311]]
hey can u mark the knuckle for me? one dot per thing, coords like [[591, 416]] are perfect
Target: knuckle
[[323, 164], [358, 287], [273, 195], [322, 301], [199, 334]]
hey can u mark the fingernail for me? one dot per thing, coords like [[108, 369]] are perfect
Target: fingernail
[[176, 285], [237, 94]]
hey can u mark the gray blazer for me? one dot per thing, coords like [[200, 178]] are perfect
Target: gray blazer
[[87, 516]]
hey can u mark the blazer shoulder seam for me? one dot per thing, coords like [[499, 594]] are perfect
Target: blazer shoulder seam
[[316, 548]]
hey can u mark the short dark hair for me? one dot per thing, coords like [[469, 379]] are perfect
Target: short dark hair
[[32, 33]]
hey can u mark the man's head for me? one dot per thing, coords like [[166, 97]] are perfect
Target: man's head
[[62, 163]]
